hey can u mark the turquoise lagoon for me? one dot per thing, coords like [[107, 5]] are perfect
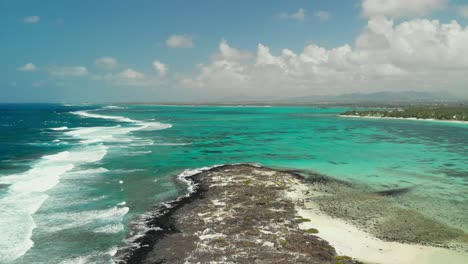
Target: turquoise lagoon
[[75, 179]]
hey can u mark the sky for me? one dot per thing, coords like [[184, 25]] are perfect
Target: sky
[[169, 51]]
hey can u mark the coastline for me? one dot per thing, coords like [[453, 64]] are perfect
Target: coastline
[[348, 239], [407, 118], [344, 237], [158, 222]]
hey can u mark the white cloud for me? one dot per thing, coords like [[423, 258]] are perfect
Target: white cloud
[[131, 74], [419, 54], [28, 67], [107, 63], [322, 15], [160, 67], [400, 8], [463, 11], [179, 41], [127, 77], [32, 19], [227, 67], [228, 53], [68, 71], [300, 15]]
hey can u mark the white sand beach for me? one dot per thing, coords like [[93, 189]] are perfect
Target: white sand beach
[[350, 241], [407, 118]]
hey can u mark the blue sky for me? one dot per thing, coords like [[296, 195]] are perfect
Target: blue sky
[[52, 50]]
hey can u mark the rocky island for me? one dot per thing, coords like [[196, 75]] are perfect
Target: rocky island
[[250, 214]]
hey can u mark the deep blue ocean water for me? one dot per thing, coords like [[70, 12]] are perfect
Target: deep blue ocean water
[[73, 177]]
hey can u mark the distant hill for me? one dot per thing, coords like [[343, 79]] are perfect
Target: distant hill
[[379, 97], [364, 99]]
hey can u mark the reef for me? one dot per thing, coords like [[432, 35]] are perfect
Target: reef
[[237, 214]]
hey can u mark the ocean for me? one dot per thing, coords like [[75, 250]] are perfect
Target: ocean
[[76, 181]]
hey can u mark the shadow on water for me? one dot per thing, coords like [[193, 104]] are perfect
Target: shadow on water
[[395, 192], [313, 177]]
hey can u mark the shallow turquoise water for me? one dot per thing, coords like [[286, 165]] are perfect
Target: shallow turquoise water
[[101, 167]]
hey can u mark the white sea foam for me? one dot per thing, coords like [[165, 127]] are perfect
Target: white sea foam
[[58, 128], [191, 186], [172, 144], [47, 144], [101, 257], [61, 221], [91, 135], [128, 171], [110, 229], [114, 107], [184, 177], [116, 134], [27, 192], [17, 225], [141, 143], [93, 115], [77, 260], [142, 125], [90, 171], [113, 251], [150, 126], [138, 153], [139, 226], [84, 173]]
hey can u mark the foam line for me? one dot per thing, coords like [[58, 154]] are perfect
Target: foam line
[[59, 128], [27, 192]]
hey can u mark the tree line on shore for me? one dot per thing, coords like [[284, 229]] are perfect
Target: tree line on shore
[[458, 113]]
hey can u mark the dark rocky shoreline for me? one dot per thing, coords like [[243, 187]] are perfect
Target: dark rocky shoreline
[[242, 214], [160, 225], [246, 220]]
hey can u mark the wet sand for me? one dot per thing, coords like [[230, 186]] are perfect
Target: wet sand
[[356, 232]]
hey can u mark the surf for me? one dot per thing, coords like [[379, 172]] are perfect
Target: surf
[[27, 192]]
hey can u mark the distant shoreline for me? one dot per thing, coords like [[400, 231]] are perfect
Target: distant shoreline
[[407, 118]]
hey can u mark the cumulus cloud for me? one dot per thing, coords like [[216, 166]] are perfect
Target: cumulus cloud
[[300, 15], [131, 74], [68, 71], [400, 8], [179, 41], [322, 15], [28, 67], [463, 11], [419, 54], [129, 77], [228, 53], [32, 19], [229, 66], [160, 68], [107, 63]]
